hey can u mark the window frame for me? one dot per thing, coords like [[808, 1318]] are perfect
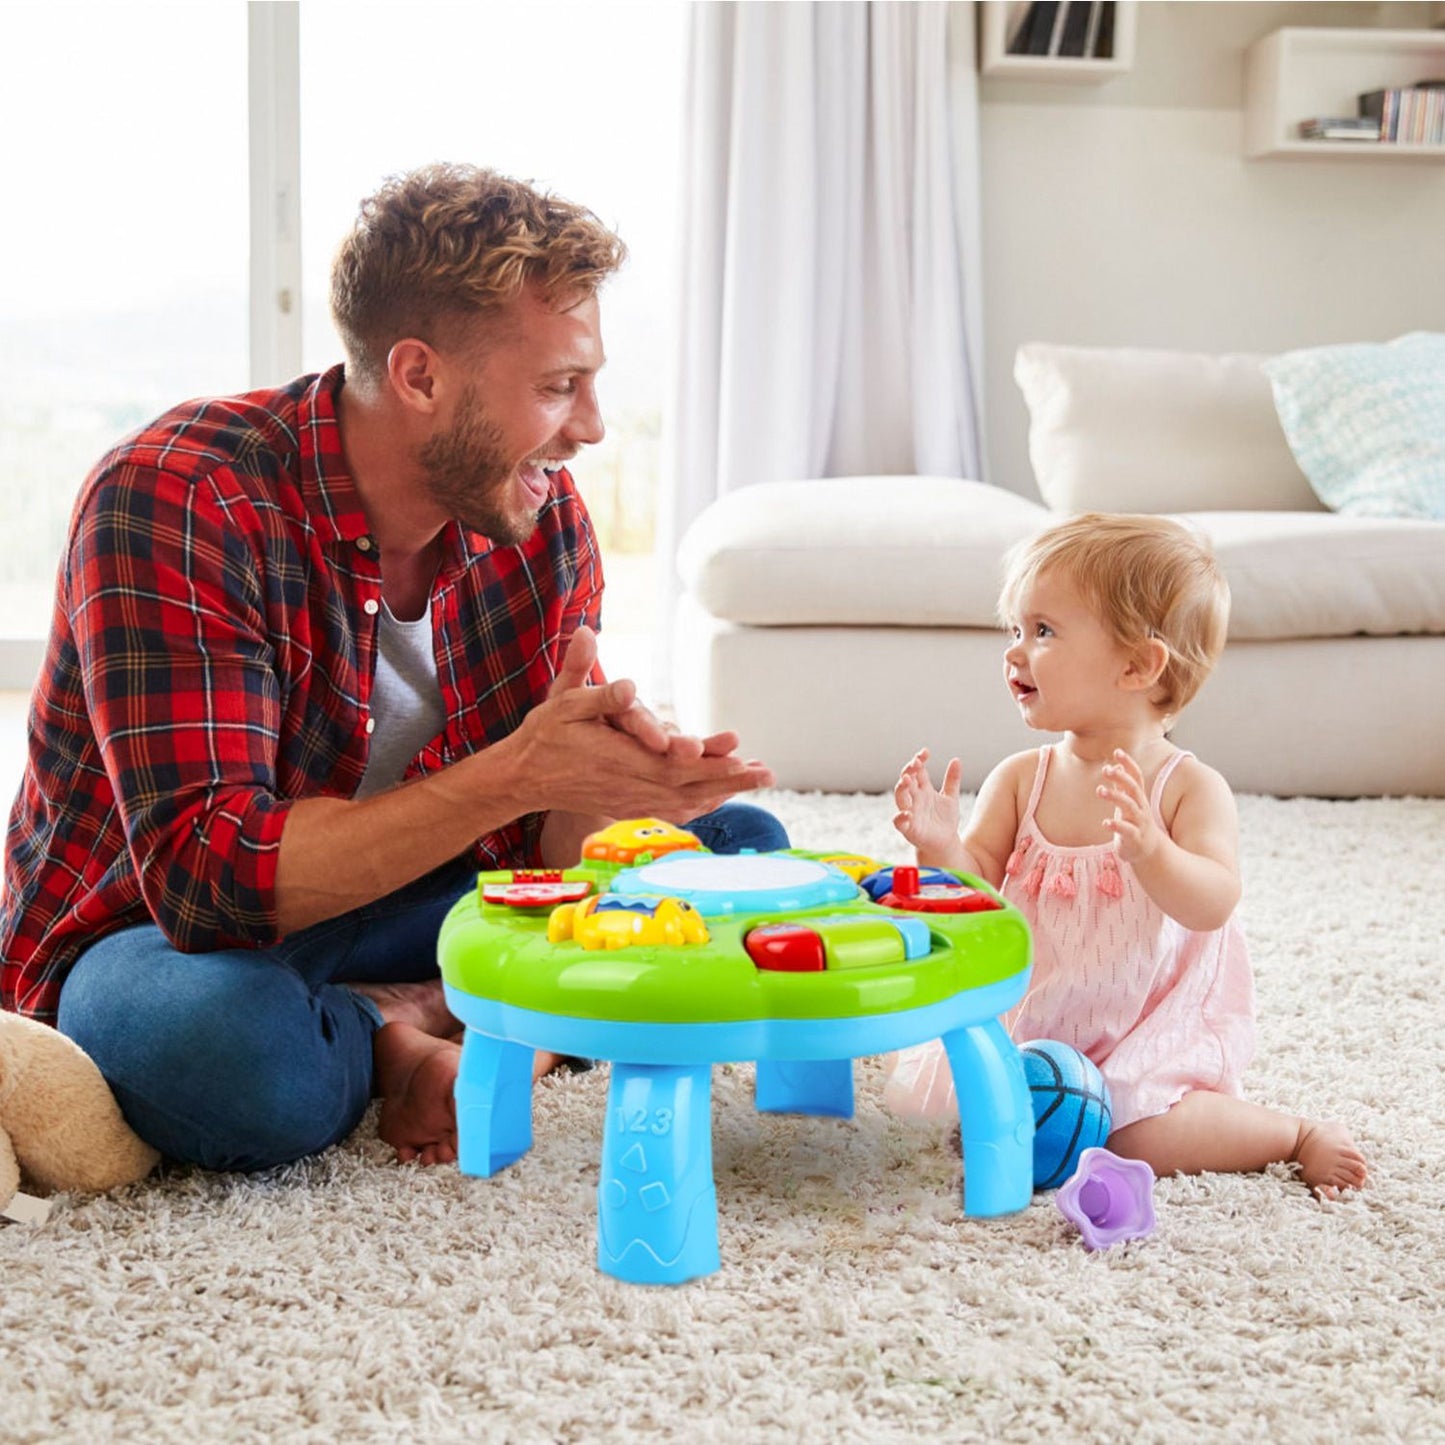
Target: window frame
[[273, 59]]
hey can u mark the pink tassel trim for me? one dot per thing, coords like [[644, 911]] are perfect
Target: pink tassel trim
[[1035, 880], [1111, 885], [1063, 885], [1016, 858]]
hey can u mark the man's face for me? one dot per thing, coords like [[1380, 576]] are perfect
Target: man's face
[[529, 405]]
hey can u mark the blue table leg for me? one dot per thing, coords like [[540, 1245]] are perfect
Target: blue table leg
[[806, 1086], [656, 1205], [997, 1119], [494, 1103]]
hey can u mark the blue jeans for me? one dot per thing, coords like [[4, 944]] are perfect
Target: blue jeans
[[247, 1058]]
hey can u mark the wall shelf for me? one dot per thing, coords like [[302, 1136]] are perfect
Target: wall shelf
[[1295, 74], [998, 19]]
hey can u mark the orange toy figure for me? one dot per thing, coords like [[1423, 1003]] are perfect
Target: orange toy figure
[[634, 838]]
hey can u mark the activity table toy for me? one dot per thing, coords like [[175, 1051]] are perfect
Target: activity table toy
[[667, 964]]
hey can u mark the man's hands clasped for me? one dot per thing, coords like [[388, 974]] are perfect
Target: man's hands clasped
[[600, 750]]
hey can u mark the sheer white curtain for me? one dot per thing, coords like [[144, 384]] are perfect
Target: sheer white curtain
[[829, 302]]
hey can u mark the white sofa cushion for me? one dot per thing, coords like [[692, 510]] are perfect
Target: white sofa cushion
[[1118, 429], [840, 708], [928, 552], [1314, 574], [856, 551]]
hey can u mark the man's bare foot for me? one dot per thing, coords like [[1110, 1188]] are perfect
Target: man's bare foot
[[543, 1063], [1328, 1158], [416, 1076], [422, 1005]]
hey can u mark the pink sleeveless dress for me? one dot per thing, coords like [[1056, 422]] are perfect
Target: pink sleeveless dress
[[1160, 1009]]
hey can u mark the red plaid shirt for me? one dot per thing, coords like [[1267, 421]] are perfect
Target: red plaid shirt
[[211, 661]]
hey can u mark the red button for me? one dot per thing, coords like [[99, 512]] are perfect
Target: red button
[[940, 898], [786, 948], [535, 888]]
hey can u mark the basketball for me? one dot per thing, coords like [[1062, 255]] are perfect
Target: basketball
[[1071, 1108]]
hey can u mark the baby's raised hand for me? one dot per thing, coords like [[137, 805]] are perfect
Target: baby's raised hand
[[1135, 831], [927, 817]]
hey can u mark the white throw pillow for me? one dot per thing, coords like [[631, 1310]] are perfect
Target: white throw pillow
[[1122, 429], [1366, 422]]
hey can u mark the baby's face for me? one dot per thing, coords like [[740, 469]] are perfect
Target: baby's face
[[1062, 665]]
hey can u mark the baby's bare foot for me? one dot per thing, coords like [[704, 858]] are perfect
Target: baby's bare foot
[[1328, 1158]]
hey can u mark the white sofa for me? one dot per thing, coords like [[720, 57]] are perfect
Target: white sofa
[[839, 625]]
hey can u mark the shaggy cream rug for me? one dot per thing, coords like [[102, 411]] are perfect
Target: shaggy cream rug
[[347, 1298]]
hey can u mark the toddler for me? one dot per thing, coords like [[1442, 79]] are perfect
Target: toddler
[[1120, 850]]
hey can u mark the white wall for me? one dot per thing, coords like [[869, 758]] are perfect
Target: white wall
[[1124, 213]]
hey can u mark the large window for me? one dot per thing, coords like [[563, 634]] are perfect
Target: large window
[[125, 286]]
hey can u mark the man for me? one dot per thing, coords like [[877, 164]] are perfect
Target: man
[[319, 652]]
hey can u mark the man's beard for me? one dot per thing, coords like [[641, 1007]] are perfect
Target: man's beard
[[468, 474]]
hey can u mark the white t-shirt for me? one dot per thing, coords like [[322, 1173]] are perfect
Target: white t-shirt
[[406, 700]]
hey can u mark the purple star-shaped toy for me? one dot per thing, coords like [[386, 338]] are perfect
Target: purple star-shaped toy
[[1108, 1198]]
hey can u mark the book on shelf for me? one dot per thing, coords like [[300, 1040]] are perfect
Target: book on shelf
[[1340, 127], [1041, 26], [1016, 34], [1021, 29], [1104, 41], [1408, 114], [1056, 35], [1076, 27], [1066, 29]]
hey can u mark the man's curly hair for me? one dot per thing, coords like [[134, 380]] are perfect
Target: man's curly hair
[[438, 248]]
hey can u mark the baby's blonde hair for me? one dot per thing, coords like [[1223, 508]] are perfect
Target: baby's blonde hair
[[1145, 577]]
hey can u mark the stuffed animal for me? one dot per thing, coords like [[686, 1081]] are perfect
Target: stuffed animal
[[60, 1127]]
